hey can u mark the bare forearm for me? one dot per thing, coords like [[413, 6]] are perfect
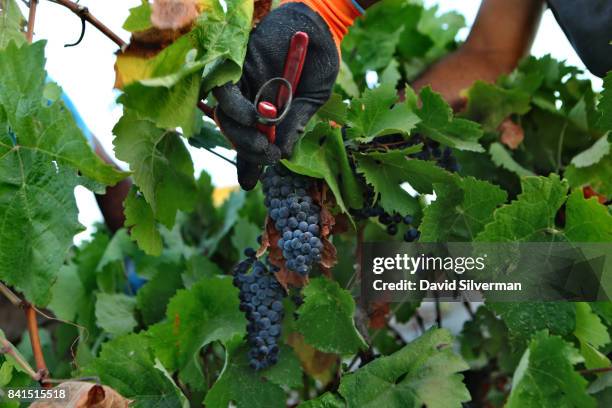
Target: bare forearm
[[505, 30]]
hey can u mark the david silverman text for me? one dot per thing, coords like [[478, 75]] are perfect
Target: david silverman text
[[464, 284]]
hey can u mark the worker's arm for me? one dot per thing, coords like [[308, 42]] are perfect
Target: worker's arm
[[501, 35]]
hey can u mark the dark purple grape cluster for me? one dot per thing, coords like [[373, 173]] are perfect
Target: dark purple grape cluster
[[433, 151], [295, 217], [391, 221], [261, 300]]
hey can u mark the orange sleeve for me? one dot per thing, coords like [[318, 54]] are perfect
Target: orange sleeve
[[338, 14]]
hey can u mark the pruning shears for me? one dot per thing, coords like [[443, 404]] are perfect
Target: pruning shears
[[294, 63]]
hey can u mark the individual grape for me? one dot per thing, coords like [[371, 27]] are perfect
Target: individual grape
[[392, 229], [385, 219], [411, 235], [260, 297], [295, 216]]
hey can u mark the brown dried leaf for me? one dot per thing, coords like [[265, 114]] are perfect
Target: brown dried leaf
[[329, 255], [85, 395], [262, 8], [378, 314], [317, 364], [512, 134], [275, 255], [174, 14]]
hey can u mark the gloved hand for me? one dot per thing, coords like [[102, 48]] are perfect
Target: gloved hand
[[325, 22]]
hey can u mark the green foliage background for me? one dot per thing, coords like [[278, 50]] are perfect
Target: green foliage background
[[178, 341]]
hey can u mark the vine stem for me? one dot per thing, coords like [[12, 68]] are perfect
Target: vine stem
[[207, 110], [83, 13], [39, 358], [31, 20], [8, 348], [596, 370], [10, 295], [32, 324]]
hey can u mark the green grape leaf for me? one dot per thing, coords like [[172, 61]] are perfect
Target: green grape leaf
[[346, 82], [206, 312], [320, 153], [490, 104], [326, 318], [199, 267], [423, 373], [223, 32], [168, 94], [153, 297], [386, 172], [592, 335], [438, 123], [502, 158], [601, 390], [115, 252], [525, 319], [210, 55], [327, 400], [372, 114], [546, 377], [334, 109], [44, 129], [531, 217], [38, 219], [245, 235], [67, 293], [209, 137], [391, 74], [139, 18], [115, 313], [230, 213], [140, 219], [587, 220], [127, 365], [595, 176], [11, 23], [605, 104], [245, 387], [441, 28], [461, 210], [593, 154], [161, 166]]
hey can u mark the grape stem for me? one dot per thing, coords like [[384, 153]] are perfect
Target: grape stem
[[84, 14]]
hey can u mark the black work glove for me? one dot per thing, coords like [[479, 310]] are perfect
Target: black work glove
[[265, 59]]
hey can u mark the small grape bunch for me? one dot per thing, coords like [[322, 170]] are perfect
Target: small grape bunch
[[295, 217], [261, 300]]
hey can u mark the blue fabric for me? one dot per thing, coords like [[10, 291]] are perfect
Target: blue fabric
[[358, 6], [76, 116]]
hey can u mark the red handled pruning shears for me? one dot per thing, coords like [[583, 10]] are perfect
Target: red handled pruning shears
[[294, 63]]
